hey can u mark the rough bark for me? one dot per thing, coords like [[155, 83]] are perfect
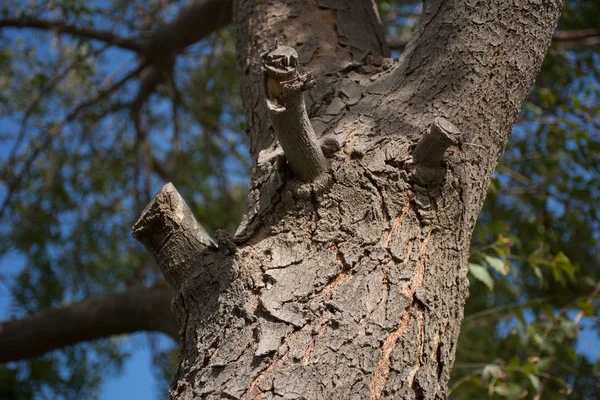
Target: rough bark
[[355, 289], [574, 39], [141, 309]]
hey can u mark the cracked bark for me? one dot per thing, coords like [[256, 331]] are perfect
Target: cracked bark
[[356, 290]]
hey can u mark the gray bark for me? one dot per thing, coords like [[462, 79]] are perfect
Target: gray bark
[[284, 88], [171, 233], [356, 289]]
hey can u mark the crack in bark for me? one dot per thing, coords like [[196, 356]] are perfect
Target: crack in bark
[[421, 329], [313, 339], [396, 224], [382, 372], [261, 374], [420, 272]]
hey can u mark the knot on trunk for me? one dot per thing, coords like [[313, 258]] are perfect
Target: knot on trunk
[[429, 152]]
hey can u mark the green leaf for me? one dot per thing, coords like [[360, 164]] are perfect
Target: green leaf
[[538, 273], [481, 274], [548, 310], [509, 390], [585, 305], [561, 264], [569, 327], [535, 381], [491, 371], [535, 336], [497, 264]]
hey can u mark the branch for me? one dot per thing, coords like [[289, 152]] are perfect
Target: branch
[[170, 232], [143, 309], [429, 152], [150, 77], [53, 130], [451, 70], [397, 43], [576, 38], [195, 22], [285, 101], [175, 104], [61, 27]]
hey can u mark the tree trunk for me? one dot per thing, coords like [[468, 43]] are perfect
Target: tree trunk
[[349, 283]]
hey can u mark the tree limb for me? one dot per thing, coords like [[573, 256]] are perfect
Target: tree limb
[[141, 309], [440, 73], [285, 100], [61, 27], [576, 38], [172, 234], [194, 23], [397, 43]]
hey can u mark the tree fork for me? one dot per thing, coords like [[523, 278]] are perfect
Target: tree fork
[[357, 291]]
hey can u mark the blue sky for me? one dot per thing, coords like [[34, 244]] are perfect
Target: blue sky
[[136, 382]]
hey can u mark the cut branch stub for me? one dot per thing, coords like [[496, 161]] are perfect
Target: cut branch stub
[[429, 152], [170, 232], [285, 101]]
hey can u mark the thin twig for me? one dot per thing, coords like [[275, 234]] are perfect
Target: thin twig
[[61, 27], [49, 134], [47, 88]]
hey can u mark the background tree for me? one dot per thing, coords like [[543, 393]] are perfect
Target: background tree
[[91, 137]]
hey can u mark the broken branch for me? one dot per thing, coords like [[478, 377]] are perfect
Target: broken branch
[[285, 101], [429, 152], [170, 232]]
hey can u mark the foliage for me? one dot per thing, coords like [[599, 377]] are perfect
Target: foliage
[[78, 172]]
